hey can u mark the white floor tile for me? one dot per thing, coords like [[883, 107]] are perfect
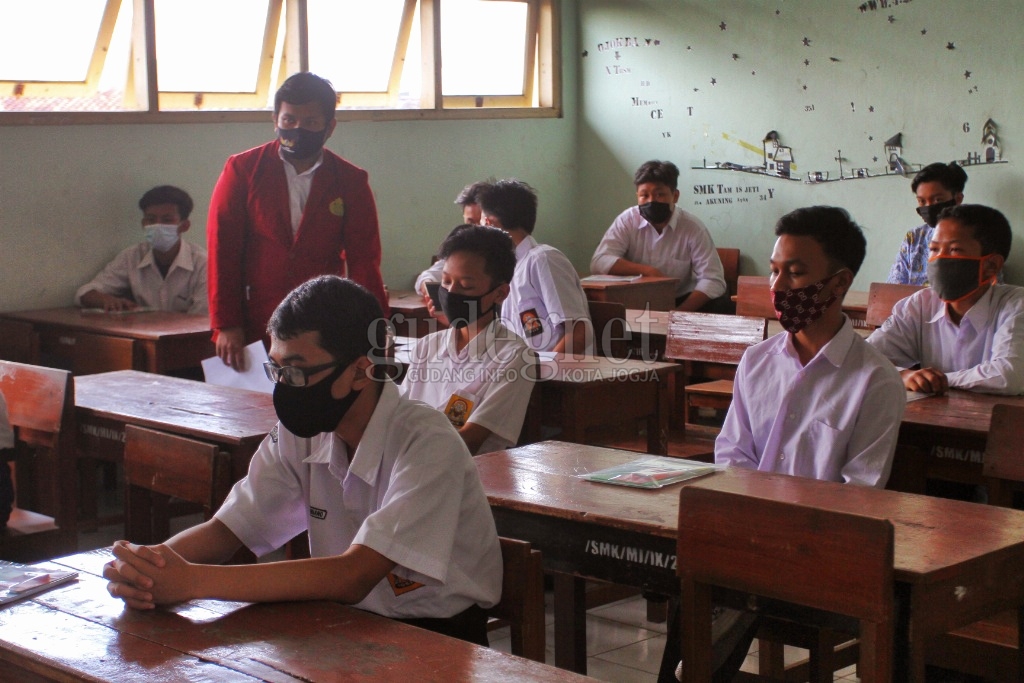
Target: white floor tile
[[644, 655]]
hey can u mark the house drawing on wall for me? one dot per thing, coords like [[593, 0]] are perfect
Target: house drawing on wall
[[777, 157], [990, 142], [894, 153]]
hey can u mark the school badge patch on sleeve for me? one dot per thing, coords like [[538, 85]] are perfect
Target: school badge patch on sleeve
[[401, 586], [337, 207], [532, 324], [458, 410]]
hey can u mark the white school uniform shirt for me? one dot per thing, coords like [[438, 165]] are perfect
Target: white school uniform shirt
[[487, 383], [411, 492], [133, 274], [544, 293], [683, 250], [983, 353], [835, 419], [299, 186]]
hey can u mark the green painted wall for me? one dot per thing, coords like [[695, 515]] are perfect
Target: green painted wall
[[933, 70]]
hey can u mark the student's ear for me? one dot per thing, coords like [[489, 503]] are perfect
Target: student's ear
[[844, 280], [364, 374], [502, 293], [675, 196], [958, 198], [184, 226], [991, 264]]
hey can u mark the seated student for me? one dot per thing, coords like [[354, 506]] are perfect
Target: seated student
[[546, 304], [164, 272], [658, 238], [398, 522], [937, 187], [6, 447], [815, 401], [467, 199], [477, 372], [965, 330]]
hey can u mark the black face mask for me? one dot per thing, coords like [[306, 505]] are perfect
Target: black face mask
[[460, 309], [954, 278], [930, 214], [656, 213], [311, 410], [299, 143]]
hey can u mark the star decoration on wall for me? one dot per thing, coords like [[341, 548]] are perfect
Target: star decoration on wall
[[874, 158], [585, 53], [950, 46], [807, 41], [807, 62], [722, 25], [967, 74], [871, 138], [714, 82], [805, 87], [735, 56], [834, 59], [892, 19], [753, 73], [924, 32]]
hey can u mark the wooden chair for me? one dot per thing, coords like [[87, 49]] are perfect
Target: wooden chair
[[753, 297], [40, 405], [731, 268], [882, 296], [611, 337], [157, 466], [19, 342], [820, 559], [991, 648], [711, 346], [522, 599]]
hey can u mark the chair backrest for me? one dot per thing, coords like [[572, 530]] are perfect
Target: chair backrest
[[1004, 454], [730, 266], [753, 296], [712, 337], [610, 335], [882, 296], [522, 598], [40, 406], [823, 559], [19, 341]]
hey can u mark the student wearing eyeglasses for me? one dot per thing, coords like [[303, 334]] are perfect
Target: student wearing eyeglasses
[[397, 519]]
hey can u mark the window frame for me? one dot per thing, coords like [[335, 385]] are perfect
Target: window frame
[[542, 75]]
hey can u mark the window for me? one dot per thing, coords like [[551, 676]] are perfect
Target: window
[[160, 59]]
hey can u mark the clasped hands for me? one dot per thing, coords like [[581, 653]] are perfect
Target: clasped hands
[[146, 576]]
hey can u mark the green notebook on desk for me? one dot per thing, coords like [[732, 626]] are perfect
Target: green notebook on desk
[[651, 472], [19, 581]]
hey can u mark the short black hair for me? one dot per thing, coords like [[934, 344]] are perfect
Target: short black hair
[[951, 176], [346, 315], [664, 172], [167, 194], [513, 202], [840, 238], [989, 225], [305, 87], [470, 194], [492, 244]]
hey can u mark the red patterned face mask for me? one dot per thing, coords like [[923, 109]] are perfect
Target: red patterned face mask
[[798, 308]]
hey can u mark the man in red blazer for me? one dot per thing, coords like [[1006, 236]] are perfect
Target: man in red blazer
[[283, 213]]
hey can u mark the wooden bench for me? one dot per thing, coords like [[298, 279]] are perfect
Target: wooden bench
[[882, 296], [992, 647], [825, 560], [710, 345], [40, 406]]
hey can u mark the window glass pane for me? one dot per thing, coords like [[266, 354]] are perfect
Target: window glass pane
[[209, 45], [352, 42], [483, 47], [48, 40], [410, 88]]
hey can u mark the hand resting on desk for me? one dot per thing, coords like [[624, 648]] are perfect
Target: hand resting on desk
[[926, 380]]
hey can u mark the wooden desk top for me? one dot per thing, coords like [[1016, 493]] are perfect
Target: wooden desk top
[[407, 302], [597, 369], [79, 633], [963, 412], [935, 538], [144, 325], [222, 414]]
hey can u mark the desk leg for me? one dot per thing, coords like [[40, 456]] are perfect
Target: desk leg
[[657, 424], [574, 419], [570, 623]]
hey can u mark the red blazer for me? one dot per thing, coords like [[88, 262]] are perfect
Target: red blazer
[[253, 259]]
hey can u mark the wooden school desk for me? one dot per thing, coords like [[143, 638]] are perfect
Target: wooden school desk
[[943, 437], [77, 632], [657, 292], [409, 314], [234, 419], [955, 562], [153, 341], [596, 391], [754, 298]]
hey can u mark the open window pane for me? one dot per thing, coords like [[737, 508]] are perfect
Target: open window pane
[[483, 47], [48, 40], [352, 42], [209, 46]]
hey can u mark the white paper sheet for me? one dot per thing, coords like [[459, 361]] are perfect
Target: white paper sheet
[[254, 377]]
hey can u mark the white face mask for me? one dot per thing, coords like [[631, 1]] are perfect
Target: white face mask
[[162, 236]]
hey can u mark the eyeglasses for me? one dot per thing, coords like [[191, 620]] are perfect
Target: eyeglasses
[[294, 376]]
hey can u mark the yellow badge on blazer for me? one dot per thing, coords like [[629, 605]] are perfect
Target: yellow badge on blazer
[[337, 207], [401, 586], [458, 410]]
